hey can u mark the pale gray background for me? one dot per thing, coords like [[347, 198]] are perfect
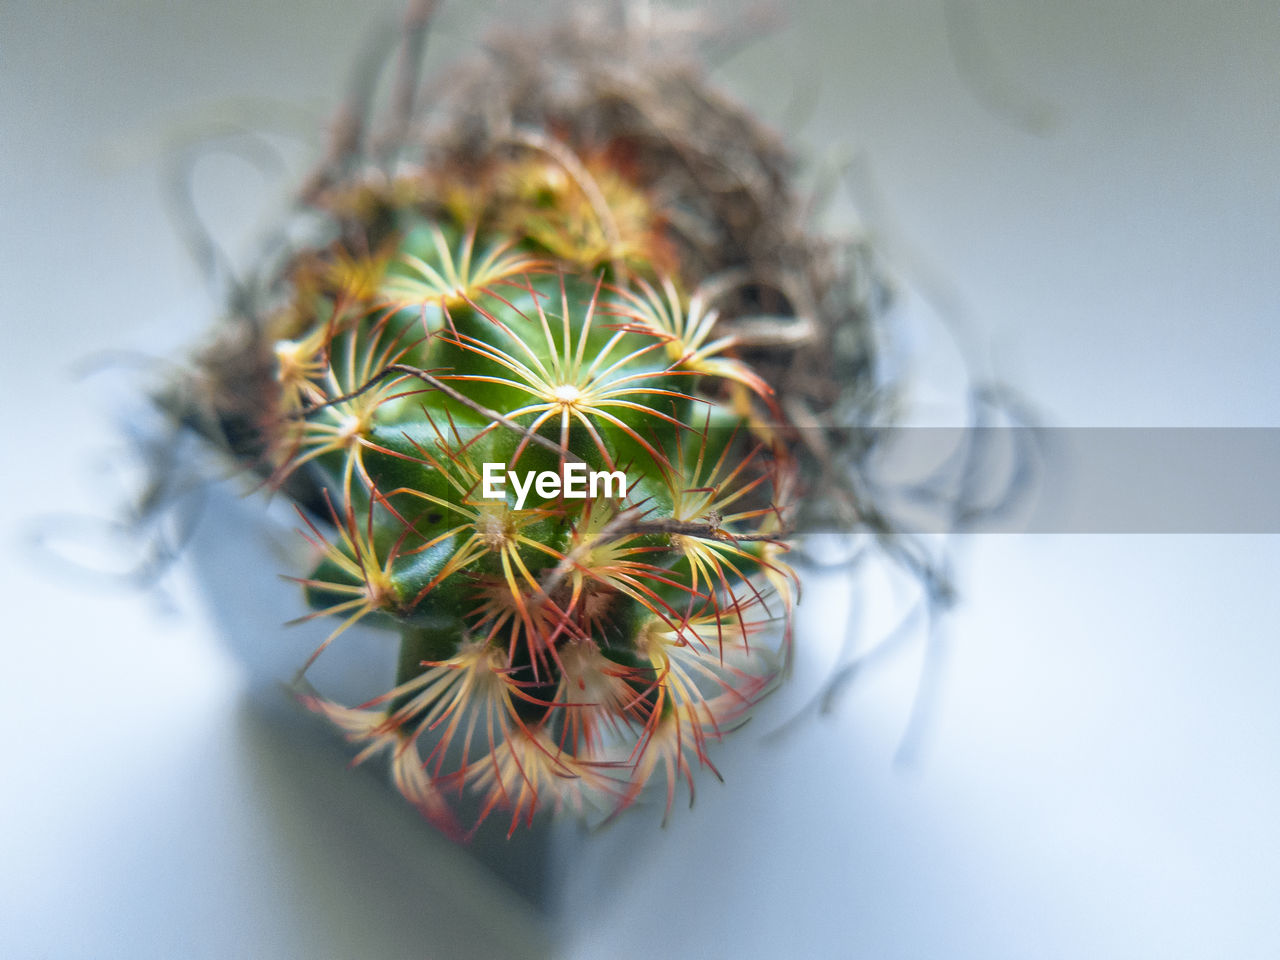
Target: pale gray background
[[1090, 191]]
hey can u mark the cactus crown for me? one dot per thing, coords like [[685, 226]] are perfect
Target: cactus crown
[[569, 634]]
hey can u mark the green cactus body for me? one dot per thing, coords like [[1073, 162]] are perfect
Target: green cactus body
[[556, 649]]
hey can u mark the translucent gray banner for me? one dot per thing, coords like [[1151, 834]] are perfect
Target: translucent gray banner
[[1057, 480]]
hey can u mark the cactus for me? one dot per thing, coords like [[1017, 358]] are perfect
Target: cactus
[[573, 292], [554, 641]]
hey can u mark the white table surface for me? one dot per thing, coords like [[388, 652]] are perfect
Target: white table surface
[[1098, 205]]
